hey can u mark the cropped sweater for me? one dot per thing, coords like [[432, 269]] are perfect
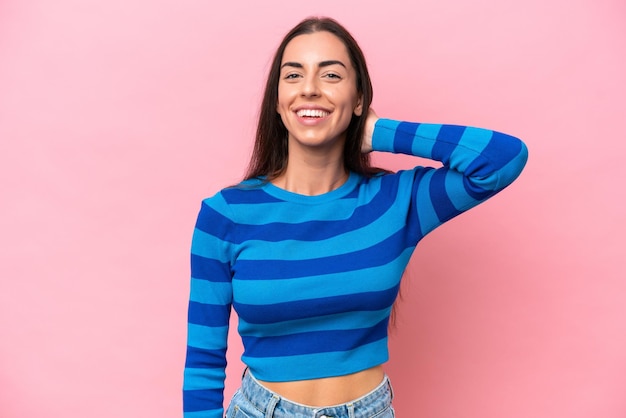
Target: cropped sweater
[[313, 278]]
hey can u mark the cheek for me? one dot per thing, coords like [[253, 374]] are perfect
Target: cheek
[[345, 96]]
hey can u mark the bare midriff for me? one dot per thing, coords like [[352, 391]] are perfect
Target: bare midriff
[[328, 391]]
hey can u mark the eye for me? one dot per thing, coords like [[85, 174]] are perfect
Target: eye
[[291, 76], [332, 76]]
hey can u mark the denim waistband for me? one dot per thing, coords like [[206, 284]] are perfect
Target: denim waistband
[[273, 405]]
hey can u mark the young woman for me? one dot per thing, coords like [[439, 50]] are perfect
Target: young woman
[[310, 248]]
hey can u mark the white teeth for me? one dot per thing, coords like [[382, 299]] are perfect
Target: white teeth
[[312, 113]]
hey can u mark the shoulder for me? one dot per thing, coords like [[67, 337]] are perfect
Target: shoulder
[[229, 199]]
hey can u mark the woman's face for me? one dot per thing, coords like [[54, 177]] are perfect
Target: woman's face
[[317, 93]]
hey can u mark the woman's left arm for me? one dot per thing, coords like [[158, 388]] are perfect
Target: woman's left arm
[[477, 163]]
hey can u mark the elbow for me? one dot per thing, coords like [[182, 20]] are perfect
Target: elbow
[[500, 166], [510, 171]]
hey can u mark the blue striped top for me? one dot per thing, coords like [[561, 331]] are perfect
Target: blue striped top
[[313, 278]]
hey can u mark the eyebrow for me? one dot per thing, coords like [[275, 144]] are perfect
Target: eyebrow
[[321, 64]]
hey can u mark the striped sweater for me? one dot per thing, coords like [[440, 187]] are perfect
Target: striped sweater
[[313, 278]]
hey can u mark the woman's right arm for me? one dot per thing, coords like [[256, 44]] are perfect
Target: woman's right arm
[[209, 312]]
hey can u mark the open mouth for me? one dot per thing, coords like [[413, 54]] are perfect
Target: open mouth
[[312, 113]]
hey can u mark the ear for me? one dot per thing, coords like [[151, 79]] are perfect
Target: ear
[[358, 110]]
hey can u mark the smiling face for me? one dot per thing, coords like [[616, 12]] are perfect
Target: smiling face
[[317, 93]]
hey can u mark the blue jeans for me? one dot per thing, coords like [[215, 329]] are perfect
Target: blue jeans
[[253, 400]]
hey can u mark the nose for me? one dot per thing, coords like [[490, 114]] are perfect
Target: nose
[[310, 87]]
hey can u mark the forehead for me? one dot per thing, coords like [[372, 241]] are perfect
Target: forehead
[[316, 47]]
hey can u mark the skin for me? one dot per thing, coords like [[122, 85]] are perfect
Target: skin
[[317, 74]]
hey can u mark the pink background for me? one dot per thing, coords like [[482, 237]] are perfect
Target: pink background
[[118, 117]]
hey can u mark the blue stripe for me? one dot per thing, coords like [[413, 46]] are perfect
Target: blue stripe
[[203, 400], [501, 149], [477, 193], [468, 150], [212, 222], [214, 293], [477, 187], [279, 312], [209, 338], [505, 151], [404, 138], [314, 342], [384, 135], [203, 378], [316, 365], [208, 246], [405, 205], [451, 134], [378, 255], [265, 213], [214, 413], [319, 230], [427, 215], [486, 170], [353, 194], [447, 140], [347, 320], [259, 292], [423, 145], [475, 139], [208, 315], [510, 171], [248, 195], [341, 209], [442, 204], [458, 193], [357, 240], [203, 359], [209, 269]]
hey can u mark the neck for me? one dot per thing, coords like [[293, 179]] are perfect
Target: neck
[[312, 179]]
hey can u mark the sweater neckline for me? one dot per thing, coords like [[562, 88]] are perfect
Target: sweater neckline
[[279, 193]]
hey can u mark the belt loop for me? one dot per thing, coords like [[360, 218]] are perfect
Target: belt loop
[[390, 388], [269, 410], [350, 410], [244, 372]]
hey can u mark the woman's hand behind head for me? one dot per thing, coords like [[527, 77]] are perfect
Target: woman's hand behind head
[[370, 122]]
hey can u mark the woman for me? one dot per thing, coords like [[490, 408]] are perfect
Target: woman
[[311, 247]]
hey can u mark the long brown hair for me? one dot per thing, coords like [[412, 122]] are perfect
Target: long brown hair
[[269, 157]]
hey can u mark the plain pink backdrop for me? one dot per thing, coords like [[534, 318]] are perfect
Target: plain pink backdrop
[[118, 117]]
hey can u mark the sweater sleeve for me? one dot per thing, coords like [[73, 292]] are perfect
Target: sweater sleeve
[[477, 164], [209, 311]]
